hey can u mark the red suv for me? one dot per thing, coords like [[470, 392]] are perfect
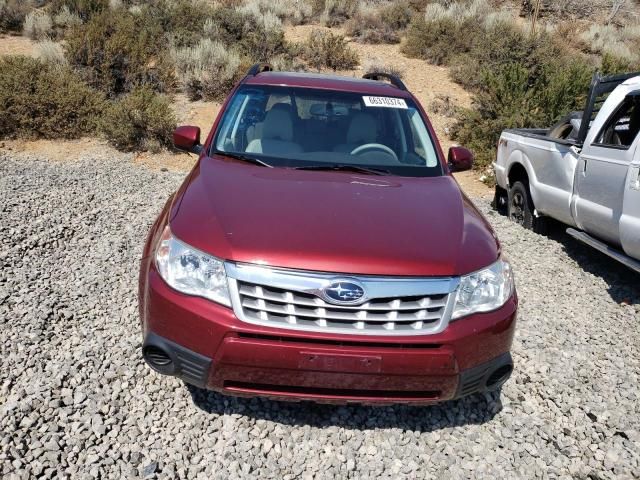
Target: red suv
[[320, 249]]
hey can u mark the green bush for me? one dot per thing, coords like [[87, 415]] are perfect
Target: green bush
[[84, 9], [140, 120], [440, 40], [327, 50], [510, 99], [502, 43], [13, 13], [116, 51], [44, 101]]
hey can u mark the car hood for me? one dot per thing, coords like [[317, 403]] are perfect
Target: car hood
[[332, 221]]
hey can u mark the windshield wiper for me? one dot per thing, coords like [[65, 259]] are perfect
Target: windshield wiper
[[244, 158], [352, 168]]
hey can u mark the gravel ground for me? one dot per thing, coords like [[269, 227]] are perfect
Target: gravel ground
[[77, 401]]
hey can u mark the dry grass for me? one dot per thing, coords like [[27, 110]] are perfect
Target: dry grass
[[38, 25], [620, 42], [50, 52]]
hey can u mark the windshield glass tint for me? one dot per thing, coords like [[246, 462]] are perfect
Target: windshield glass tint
[[298, 127]]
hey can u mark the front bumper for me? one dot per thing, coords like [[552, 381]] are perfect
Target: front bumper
[[206, 345]]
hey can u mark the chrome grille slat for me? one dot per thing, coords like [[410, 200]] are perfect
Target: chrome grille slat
[[329, 314]]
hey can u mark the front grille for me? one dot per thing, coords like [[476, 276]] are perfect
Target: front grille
[[291, 309]]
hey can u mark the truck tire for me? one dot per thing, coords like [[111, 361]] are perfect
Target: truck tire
[[521, 209]]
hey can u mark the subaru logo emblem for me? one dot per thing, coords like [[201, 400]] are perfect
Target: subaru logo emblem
[[343, 292]]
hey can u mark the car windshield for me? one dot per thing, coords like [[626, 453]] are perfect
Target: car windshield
[[316, 129]]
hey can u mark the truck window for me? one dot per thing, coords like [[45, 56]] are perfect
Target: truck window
[[622, 128]]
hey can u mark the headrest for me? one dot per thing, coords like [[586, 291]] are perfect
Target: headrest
[[278, 123], [362, 129]]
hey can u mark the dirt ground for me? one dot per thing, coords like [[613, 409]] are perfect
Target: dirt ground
[[14, 45], [426, 81]]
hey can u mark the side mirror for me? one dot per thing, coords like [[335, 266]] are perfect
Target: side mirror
[[460, 159], [187, 138]]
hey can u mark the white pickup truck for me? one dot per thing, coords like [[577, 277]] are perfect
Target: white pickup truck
[[583, 172]]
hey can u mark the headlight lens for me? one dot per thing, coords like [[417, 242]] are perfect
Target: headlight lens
[[191, 271], [484, 291]]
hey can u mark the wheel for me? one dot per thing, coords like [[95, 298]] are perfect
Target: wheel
[[521, 209]]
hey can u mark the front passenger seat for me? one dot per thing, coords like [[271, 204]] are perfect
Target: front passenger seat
[[277, 135]]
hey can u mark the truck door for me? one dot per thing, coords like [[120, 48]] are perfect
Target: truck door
[[601, 175], [630, 220]]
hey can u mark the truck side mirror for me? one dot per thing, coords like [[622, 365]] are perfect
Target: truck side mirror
[[460, 159], [187, 138]]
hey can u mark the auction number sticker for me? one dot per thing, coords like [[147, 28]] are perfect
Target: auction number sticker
[[387, 102]]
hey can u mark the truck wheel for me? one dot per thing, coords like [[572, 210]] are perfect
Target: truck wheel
[[521, 209]]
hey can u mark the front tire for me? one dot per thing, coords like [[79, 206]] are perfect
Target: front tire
[[521, 209]]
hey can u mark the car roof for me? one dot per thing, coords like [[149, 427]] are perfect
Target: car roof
[[328, 82]]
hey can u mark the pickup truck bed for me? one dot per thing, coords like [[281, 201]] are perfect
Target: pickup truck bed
[[583, 171]]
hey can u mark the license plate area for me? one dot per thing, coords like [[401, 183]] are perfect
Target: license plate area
[[345, 363]]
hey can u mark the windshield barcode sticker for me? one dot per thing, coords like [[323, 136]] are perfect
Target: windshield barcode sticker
[[388, 102]]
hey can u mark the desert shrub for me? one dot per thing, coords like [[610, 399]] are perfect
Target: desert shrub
[[509, 98], [65, 19], [38, 100], [139, 120], [50, 52], [13, 14], [439, 40], [502, 43], [621, 42], [182, 20], [611, 65], [369, 27], [443, 105], [246, 34], [115, 53], [84, 9], [336, 12], [293, 11], [572, 8], [327, 50], [397, 15], [38, 25], [374, 64], [207, 70]]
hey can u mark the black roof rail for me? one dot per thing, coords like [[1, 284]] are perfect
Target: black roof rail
[[394, 79], [259, 68]]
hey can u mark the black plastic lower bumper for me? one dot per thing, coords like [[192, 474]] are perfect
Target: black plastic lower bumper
[[486, 376], [169, 358]]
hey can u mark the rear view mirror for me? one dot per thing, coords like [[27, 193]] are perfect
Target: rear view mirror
[[460, 159], [187, 138]]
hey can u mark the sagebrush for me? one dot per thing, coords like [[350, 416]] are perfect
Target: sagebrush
[[139, 120], [39, 100]]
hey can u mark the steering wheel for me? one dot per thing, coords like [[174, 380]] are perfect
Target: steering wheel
[[374, 146]]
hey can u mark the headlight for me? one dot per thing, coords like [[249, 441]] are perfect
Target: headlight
[[191, 271], [484, 291]]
